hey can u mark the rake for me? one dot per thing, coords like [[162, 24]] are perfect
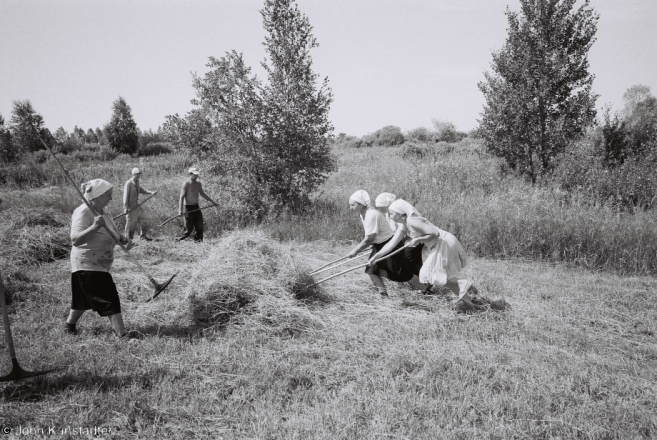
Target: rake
[[180, 215], [16, 372], [356, 267], [324, 268], [159, 287], [135, 208]]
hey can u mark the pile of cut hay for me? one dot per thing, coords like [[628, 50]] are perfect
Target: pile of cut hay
[[250, 276]]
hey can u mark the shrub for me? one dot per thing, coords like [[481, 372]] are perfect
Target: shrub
[[412, 150], [155, 149], [420, 134], [388, 136]]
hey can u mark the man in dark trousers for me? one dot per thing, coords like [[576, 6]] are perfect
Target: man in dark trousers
[[189, 193]]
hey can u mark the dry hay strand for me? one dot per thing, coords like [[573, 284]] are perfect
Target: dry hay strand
[[479, 304], [32, 238], [304, 290], [242, 273], [218, 305]]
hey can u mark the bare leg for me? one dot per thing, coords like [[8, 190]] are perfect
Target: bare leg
[[378, 282], [74, 316], [415, 282], [117, 324]]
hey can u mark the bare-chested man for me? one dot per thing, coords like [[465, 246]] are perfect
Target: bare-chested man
[[189, 193]]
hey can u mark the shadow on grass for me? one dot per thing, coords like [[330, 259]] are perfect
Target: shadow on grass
[[39, 388]]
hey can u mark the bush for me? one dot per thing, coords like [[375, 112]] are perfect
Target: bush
[[420, 134], [628, 185], [388, 136], [155, 149], [412, 150]]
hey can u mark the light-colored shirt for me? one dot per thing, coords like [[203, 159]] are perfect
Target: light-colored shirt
[[131, 191], [375, 222], [97, 253]]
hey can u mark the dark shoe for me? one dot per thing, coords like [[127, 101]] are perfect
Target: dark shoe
[[383, 293], [146, 238], [70, 329]]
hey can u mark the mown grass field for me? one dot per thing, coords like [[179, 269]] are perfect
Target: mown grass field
[[229, 351]]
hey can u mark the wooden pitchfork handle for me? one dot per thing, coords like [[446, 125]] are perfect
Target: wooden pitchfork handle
[[324, 268], [188, 212], [126, 213], [357, 267]]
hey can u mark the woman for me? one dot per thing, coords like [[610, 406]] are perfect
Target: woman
[[91, 258], [383, 240], [447, 258], [413, 253]]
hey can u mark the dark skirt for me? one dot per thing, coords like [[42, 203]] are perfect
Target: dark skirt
[[414, 257], [96, 291], [394, 268]]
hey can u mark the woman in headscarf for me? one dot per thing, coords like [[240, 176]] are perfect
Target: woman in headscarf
[[92, 256], [413, 253], [447, 258], [383, 240]]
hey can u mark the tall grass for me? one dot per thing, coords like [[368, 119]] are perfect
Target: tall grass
[[460, 189]]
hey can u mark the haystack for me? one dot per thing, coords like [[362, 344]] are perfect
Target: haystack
[[250, 277]]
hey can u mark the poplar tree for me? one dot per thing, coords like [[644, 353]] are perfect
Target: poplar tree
[[538, 95], [121, 131]]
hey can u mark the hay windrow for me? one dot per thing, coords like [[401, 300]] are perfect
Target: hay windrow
[[248, 273]]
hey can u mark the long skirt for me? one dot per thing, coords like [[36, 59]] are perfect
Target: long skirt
[[394, 268], [446, 260], [94, 290], [414, 258]]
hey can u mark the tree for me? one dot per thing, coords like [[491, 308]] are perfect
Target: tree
[[90, 137], [121, 131], [7, 152], [538, 97], [271, 140], [640, 117], [26, 127]]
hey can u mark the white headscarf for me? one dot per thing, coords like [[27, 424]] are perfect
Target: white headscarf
[[361, 197], [401, 206], [95, 188], [384, 200]]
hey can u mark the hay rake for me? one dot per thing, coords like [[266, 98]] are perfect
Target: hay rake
[[16, 372]]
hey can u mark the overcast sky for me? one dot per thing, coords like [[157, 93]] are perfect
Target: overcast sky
[[389, 62]]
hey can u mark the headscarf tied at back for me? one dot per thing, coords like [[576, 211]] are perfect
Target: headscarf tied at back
[[361, 197], [95, 188], [384, 200], [401, 206]]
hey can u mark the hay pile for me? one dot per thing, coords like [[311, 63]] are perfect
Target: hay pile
[[250, 278]]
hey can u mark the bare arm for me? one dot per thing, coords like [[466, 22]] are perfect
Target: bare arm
[[205, 196], [427, 230], [366, 242]]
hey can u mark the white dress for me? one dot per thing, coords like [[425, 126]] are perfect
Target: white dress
[[446, 259]]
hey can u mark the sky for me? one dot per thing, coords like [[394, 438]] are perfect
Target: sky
[[388, 62]]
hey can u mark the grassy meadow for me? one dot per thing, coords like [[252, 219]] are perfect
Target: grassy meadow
[[233, 350]]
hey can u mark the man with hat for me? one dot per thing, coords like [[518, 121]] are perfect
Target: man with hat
[[135, 215], [191, 189]]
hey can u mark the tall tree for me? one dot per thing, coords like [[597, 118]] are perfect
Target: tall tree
[[640, 117], [538, 96], [26, 126], [295, 117], [121, 131], [271, 140]]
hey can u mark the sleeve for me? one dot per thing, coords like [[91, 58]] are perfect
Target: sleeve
[[126, 193], [80, 221], [370, 222], [143, 191]]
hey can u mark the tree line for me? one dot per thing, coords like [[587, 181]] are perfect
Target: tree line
[[25, 130]]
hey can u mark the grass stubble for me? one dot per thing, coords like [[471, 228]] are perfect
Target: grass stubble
[[235, 349]]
